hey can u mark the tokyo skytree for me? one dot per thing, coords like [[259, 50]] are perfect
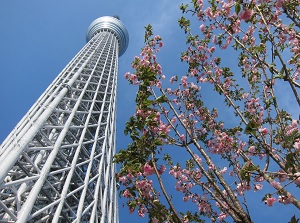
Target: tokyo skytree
[[56, 164]]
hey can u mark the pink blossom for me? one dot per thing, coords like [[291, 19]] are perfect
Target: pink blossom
[[264, 131], [208, 12], [202, 27], [158, 84], [241, 187], [285, 199], [279, 3], [246, 14], [127, 193], [223, 170], [122, 179], [297, 146], [182, 137], [270, 201], [157, 37], [222, 216], [245, 95], [133, 77], [130, 176], [164, 128], [200, 3], [258, 187], [127, 75], [175, 171], [154, 220], [131, 210], [259, 179], [297, 175], [184, 81], [251, 149], [148, 170], [173, 120], [195, 87], [162, 169], [145, 186], [141, 211], [197, 158], [227, 8], [169, 90], [172, 79], [185, 199]]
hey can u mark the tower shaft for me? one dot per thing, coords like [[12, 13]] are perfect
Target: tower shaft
[[56, 165]]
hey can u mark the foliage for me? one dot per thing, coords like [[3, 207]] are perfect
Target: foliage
[[260, 149]]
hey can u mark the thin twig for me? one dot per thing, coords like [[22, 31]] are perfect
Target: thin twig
[[164, 190]]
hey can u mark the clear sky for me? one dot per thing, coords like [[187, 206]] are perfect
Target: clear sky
[[39, 38]]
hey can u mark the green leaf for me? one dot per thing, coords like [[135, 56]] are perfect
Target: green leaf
[[148, 32], [147, 102], [158, 142], [162, 99], [183, 7], [266, 196], [237, 8], [251, 128], [246, 170], [290, 162], [294, 220]]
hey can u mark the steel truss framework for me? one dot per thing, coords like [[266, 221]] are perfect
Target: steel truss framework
[[56, 165]]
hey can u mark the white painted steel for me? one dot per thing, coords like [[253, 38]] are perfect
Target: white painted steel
[[56, 165]]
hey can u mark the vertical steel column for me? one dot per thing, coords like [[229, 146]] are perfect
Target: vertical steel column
[[56, 165]]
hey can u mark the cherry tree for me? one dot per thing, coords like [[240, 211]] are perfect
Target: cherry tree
[[223, 160]]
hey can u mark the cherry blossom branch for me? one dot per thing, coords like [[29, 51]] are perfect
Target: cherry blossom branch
[[209, 162], [295, 201], [227, 97], [217, 199], [281, 189], [279, 56], [278, 187], [291, 82], [263, 142], [236, 205], [294, 91], [164, 190], [292, 18]]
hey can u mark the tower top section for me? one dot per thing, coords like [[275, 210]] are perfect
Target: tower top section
[[113, 24]]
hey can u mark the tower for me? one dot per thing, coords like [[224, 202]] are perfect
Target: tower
[[56, 165]]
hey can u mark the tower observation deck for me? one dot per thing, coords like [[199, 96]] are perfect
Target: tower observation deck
[[56, 165]]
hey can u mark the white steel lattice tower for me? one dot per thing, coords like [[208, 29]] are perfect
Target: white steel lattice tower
[[56, 165]]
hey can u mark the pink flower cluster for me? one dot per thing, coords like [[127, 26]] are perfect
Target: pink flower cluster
[[246, 14], [270, 201], [292, 128], [145, 186], [242, 187], [148, 170], [147, 60], [221, 143], [288, 199]]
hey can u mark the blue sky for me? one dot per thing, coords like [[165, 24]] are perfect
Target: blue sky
[[39, 38]]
